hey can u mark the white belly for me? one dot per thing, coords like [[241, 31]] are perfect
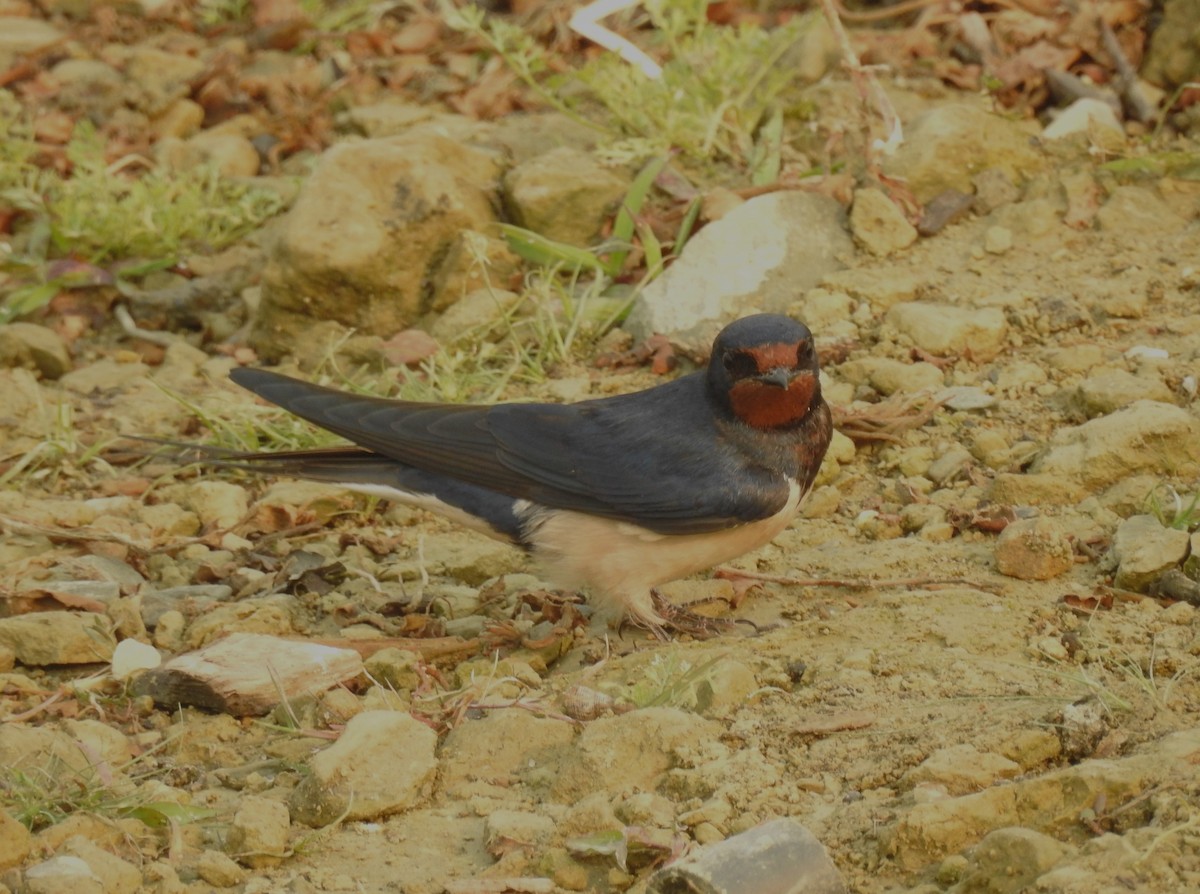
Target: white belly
[[620, 562]]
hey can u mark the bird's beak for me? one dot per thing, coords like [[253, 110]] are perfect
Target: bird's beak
[[780, 377]]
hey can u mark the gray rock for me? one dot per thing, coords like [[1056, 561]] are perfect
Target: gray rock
[[383, 763], [1144, 437], [1008, 860], [946, 146], [258, 835], [758, 257], [1111, 389], [58, 638], [966, 398], [64, 874], [878, 224], [1034, 549], [375, 224], [564, 194], [1144, 549], [31, 346], [233, 155], [19, 34], [947, 329]]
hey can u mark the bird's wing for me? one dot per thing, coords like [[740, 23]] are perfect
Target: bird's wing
[[652, 458]]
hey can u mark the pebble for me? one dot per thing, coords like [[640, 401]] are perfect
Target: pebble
[[1086, 116], [1034, 549], [757, 257], [258, 834], [116, 876], [384, 762], [878, 224], [997, 240], [219, 870], [963, 768], [945, 329], [1009, 860], [1144, 550], [564, 194], [30, 346], [58, 637], [64, 874], [1107, 390]]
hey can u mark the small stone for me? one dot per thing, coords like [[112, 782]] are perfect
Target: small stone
[[755, 258], [878, 224], [888, 376], [258, 835], [1034, 549], [15, 842], [949, 144], [58, 637], [63, 874], [219, 504], [1144, 550], [181, 120], [564, 194], [1012, 489], [949, 464], [506, 829], [230, 154], [116, 876], [1080, 727], [997, 240], [993, 189], [1113, 389], [962, 768], [945, 329], [21, 34], [395, 668], [219, 870], [31, 346], [1009, 860], [383, 763], [965, 398], [1085, 116]]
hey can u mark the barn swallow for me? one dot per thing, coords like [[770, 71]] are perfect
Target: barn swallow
[[615, 495]]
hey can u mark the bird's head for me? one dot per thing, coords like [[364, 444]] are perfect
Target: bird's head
[[763, 368]]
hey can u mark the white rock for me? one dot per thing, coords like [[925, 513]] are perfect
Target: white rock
[[758, 257], [1082, 116]]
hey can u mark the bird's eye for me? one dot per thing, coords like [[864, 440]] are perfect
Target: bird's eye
[[804, 353], [739, 365]]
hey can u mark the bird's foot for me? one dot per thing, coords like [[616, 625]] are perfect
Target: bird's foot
[[675, 619]]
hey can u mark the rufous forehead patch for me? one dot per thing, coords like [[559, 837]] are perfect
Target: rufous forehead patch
[[773, 356]]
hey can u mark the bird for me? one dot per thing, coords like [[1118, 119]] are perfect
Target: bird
[[613, 496]]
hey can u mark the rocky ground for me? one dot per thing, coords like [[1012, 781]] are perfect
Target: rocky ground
[[977, 669]]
